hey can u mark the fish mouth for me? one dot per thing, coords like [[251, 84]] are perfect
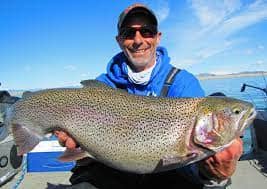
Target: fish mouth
[[251, 115]]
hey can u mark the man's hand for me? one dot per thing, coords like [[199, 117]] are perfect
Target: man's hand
[[222, 165], [65, 140]]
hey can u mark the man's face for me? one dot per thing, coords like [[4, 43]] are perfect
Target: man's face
[[138, 45]]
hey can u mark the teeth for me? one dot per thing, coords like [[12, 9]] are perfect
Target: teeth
[[139, 51]]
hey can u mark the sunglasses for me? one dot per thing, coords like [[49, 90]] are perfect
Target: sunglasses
[[145, 31]]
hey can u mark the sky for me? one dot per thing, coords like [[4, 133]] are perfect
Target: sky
[[58, 43]]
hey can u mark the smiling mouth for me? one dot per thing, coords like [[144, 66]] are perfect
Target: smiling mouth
[[138, 50]]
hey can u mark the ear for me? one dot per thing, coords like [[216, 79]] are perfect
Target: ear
[[119, 41], [158, 37]]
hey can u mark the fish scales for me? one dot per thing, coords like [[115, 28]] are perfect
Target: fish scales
[[128, 132]]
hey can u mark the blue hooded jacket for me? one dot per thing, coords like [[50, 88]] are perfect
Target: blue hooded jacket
[[184, 85]]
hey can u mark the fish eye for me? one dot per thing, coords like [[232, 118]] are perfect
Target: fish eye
[[236, 111]]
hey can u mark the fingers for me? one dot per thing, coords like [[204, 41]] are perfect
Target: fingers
[[211, 169], [62, 136], [65, 140], [70, 143], [223, 164], [232, 152], [220, 168]]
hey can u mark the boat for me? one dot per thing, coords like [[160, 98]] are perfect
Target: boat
[[10, 163], [251, 169]]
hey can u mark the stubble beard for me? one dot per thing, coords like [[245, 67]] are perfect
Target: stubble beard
[[141, 63]]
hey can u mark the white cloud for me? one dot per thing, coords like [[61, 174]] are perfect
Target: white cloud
[[187, 61], [161, 9], [70, 68], [249, 16], [85, 75], [259, 62], [215, 49], [252, 51], [224, 18], [218, 21], [211, 12], [261, 47]]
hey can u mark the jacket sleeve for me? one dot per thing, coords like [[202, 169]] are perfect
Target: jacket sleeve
[[104, 78], [186, 85], [193, 89]]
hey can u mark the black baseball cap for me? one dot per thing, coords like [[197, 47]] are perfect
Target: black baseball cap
[[137, 10]]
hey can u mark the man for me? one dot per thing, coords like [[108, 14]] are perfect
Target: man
[[142, 68]]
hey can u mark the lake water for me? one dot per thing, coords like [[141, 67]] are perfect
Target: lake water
[[232, 86]]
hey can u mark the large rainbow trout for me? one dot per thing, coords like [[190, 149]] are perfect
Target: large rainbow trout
[[128, 132]]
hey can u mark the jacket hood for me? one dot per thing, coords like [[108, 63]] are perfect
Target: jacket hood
[[117, 66]]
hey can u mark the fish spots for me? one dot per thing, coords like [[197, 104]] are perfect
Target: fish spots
[[127, 132]]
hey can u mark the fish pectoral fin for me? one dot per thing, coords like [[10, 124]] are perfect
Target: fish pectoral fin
[[176, 160], [25, 139], [173, 162], [74, 154]]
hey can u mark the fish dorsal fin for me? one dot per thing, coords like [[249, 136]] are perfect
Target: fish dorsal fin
[[94, 84], [27, 94], [98, 84]]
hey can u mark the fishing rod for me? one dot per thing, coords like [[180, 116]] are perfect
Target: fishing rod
[[246, 85], [262, 89]]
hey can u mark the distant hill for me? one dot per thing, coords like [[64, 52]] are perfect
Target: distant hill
[[255, 72], [204, 76]]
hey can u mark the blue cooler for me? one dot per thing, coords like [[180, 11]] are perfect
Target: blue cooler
[[43, 158]]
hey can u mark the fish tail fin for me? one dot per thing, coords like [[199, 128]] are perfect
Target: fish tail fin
[[25, 139], [74, 154], [7, 115]]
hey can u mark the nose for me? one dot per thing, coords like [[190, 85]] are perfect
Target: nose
[[138, 39]]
